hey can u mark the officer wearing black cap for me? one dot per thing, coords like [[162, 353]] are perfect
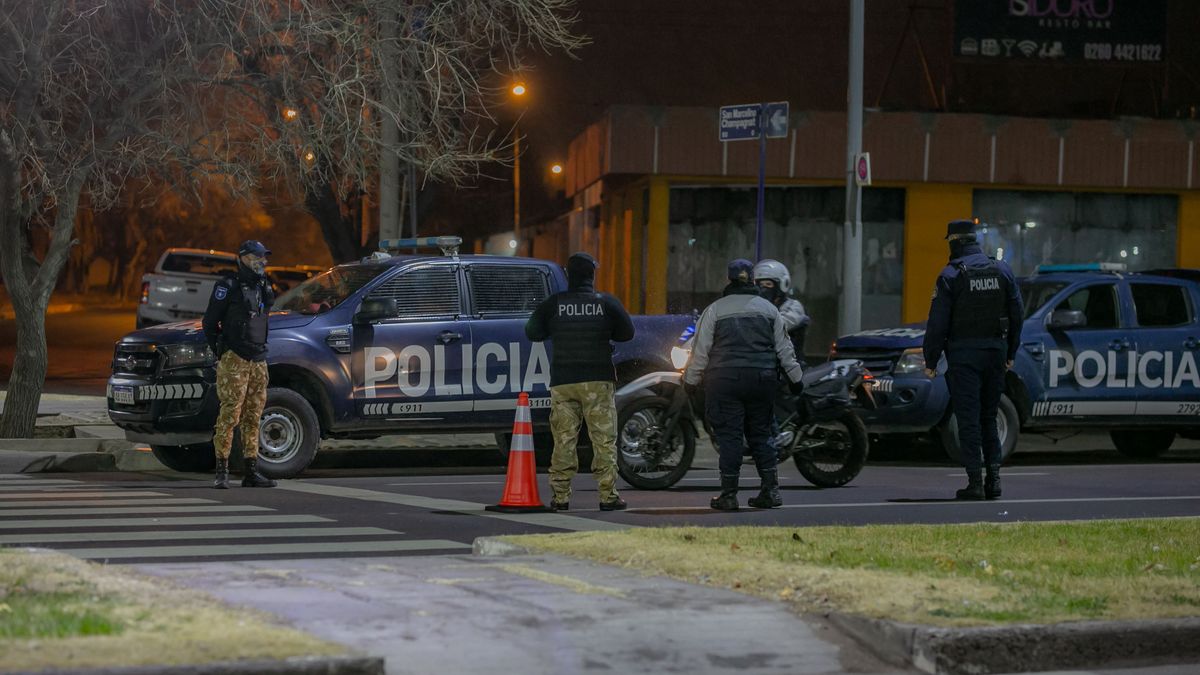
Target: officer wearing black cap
[[975, 320], [741, 342], [235, 326]]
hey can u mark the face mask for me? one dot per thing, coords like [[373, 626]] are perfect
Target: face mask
[[769, 293], [255, 263]]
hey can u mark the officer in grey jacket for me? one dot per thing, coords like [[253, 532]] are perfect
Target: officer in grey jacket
[[741, 342]]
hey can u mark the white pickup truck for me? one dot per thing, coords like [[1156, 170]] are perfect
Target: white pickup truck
[[180, 285]]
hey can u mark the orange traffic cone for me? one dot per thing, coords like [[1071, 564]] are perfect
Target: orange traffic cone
[[520, 487]]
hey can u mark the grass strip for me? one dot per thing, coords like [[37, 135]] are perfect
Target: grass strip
[[59, 612], [944, 575]]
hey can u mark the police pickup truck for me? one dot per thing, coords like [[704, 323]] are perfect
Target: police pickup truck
[[391, 344], [1100, 349]]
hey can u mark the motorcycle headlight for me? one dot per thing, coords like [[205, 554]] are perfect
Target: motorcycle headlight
[[184, 356], [680, 357], [911, 361]]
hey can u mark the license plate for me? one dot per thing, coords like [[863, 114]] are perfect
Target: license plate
[[123, 395]]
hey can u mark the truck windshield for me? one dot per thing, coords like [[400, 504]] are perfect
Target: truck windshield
[[1035, 294], [326, 291], [191, 263]]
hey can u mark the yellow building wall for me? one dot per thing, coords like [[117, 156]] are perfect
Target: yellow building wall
[[927, 209], [1188, 230]]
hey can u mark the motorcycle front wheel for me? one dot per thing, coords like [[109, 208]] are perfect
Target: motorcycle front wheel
[[833, 452], [643, 459]]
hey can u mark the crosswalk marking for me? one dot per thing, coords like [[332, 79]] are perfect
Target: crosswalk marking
[[13, 476], [256, 533], [36, 484], [122, 510], [5, 505], [251, 519], [79, 494], [267, 549]]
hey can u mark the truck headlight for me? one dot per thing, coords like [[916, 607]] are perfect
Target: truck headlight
[[680, 357], [183, 356], [911, 361]]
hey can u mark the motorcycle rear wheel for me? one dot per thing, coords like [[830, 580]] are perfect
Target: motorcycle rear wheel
[[638, 459], [835, 456]]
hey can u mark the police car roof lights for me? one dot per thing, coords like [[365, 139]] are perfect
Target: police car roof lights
[[448, 245], [1082, 267]]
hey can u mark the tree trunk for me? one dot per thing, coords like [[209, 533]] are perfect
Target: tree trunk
[[28, 372], [341, 233]]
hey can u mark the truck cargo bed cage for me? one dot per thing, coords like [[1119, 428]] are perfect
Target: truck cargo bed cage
[[448, 245]]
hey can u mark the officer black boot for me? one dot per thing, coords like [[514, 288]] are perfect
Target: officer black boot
[[727, 500], [974, 489], [253, 478], [768, 495], [991, 486], [221, 482]]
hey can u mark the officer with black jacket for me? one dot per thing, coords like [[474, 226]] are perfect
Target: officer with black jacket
[[975, 319], [235, 326], [741, 342], [582, 324]]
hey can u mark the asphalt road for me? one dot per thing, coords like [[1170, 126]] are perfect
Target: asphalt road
[[128, 518], [79, 346]]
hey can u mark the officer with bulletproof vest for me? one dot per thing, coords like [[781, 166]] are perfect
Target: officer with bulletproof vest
[[582, 325], [740, 344], [235, 325], [975, 320]]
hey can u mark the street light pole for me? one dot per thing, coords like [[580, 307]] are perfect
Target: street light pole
[[517, 185], [850, 319]]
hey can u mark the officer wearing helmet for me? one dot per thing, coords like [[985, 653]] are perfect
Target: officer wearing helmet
[[975, 320], [740, 345], [774, 283], [235, 326]]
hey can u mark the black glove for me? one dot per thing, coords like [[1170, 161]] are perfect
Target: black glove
[[796, 388]]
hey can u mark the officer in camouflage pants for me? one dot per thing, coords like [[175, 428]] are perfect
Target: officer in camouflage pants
[[582, 324], [570, 406], [235, 326]]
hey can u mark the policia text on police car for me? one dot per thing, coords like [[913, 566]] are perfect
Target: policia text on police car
[[975, 319], [235, 326]]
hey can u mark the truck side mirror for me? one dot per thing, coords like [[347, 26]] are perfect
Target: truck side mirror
[[375, 309], [1066, 319]]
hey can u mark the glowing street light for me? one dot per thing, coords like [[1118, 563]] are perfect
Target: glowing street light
[[556, 169], [290, 113], [518, 89]]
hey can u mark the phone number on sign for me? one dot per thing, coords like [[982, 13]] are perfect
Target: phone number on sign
[[1102, 51]]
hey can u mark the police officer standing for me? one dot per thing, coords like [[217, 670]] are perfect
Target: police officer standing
[[582, 324], [740, 344], [975, 319], [775, 285], [235, 326]]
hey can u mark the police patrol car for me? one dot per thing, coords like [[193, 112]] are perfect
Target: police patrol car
[[1100, 348], [391, 344]]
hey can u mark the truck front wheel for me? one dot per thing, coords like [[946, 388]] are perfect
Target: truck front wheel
[[288, 434], [190, 458], [1008, 424], [1142, 443]]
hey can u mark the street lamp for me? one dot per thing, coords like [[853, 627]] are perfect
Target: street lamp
[[518, 90], [556, 169]]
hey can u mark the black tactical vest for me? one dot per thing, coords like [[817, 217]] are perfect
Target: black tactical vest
[[980, 309], [245, 323]]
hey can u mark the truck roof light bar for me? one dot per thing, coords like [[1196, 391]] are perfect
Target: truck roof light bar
[[448, 245], [1082, 267]]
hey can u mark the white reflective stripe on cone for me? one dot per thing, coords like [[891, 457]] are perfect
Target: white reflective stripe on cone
[[522, 443]]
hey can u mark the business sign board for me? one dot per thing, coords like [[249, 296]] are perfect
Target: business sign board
[[1065, 31]]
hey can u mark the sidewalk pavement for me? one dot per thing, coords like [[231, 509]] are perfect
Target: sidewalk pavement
[[527, 614]]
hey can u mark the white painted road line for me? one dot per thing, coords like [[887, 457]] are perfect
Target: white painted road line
[[88, 523], [266, 549], [1005, 474], [167, 501], [557, 521], [12, 476], [33, 485], [78, 494], [78, 537], [130, 510], [465, 482], [940, 502]]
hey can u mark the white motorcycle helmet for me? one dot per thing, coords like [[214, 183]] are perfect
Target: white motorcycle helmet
[[774, 271]]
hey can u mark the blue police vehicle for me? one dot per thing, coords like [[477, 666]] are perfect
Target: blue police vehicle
[[391, 344], [1100, 349]]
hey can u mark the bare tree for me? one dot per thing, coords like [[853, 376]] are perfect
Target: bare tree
[[93, 92]]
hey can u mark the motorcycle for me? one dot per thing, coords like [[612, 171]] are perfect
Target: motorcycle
[[658, 425]]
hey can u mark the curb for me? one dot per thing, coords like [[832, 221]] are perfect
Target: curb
[[495, 547], [334, 665], [1027, 647]]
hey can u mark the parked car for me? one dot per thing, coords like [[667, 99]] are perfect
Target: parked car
[[1100, 349], [391, 344], [285, 278], [181, 284]]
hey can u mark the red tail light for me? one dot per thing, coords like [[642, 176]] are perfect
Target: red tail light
[[145, 292]]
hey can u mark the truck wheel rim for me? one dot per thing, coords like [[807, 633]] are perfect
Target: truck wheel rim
[[1002, 428], [279, 435]]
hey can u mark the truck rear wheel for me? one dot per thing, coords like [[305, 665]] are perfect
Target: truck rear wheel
[[1007, 421], [1142, 443], [288, 434], [190, 458]]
